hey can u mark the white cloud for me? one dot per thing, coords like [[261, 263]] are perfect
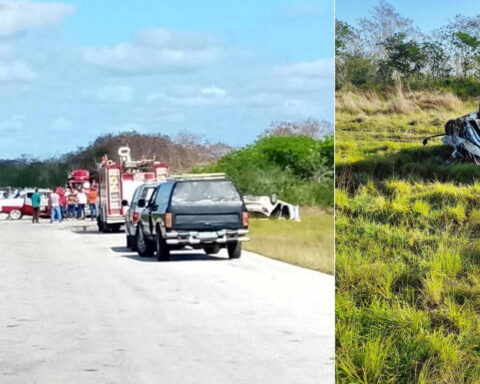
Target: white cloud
[[6, 51], [260, 100], [155, 51], [213, 92], [316, 69], [193, 96], [303, 9], [15, 71], [11, 69], [17, 16], [116, 94], [61, 123], [13, 124]]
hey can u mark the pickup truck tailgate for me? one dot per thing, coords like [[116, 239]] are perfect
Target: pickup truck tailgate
[[207, 218]]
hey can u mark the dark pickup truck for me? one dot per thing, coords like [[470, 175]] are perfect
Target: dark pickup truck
[[204, 212]]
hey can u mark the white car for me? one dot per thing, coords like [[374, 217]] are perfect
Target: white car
[[270, 206], [21, 204], [132, 215]]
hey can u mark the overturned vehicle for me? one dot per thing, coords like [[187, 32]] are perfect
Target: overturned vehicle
[[463, 135], [270, 206]]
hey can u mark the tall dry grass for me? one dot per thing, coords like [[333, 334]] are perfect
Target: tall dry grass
[[398, 101]]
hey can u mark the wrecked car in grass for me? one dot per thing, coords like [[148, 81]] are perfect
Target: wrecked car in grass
[[270, 206], [463, 135], [202, 211]]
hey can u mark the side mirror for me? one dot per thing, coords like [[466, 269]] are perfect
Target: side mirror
[[124, 203], [141, 203]]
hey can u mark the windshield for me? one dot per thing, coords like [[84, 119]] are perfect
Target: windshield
[[206, 193]]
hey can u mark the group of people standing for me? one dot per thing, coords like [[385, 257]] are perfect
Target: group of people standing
[[67, 204]]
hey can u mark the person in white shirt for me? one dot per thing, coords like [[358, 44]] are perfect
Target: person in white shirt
[[55, 210], [82, 201]]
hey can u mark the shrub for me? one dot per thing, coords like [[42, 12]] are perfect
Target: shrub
[[299, 169]]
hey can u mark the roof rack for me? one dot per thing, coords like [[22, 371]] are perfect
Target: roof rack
[[195, 176]]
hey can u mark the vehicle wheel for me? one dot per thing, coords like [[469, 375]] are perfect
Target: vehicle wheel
[[101, 226], [163, 252], [212, 249], [15, 214], [234, 250], [132, 242], [145, 248]]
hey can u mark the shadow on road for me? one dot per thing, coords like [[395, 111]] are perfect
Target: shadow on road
[[174, 256], [86, 229], [81, 231]]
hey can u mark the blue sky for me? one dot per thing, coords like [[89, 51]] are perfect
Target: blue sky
[[72, 70], [427, 15]]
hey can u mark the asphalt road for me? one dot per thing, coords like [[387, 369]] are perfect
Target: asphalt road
[[77, 307]]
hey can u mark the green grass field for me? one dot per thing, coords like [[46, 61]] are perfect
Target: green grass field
[[308, 243], [408, 247]]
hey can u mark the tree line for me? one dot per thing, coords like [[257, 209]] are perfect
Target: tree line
[[386, 48], [182, 152]]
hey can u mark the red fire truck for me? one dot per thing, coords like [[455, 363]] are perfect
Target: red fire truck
[[80, 179], [117, 183]]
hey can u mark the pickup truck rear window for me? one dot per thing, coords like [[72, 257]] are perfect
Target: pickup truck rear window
[[206, 193]]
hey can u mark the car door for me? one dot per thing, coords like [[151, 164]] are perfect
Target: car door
[[27, 208], [146, 215], [133, 205]]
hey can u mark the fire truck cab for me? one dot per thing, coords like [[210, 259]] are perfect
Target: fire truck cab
[[79, 179], [117, 184]]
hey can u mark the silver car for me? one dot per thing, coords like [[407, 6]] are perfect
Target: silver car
[[132, 216]]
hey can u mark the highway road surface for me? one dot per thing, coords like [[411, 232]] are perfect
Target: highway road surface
[[77, 307]]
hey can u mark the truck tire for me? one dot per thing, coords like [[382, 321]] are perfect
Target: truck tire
[[100, 222], [163, 252], [15, 214], [212, 249], [145, 248], [101, 226], [234, 250]]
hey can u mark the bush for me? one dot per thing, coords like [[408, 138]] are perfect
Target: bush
[[299, 169]]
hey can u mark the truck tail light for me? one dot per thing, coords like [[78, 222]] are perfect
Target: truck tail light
[[136, 217], [245, 219], [168, 220]]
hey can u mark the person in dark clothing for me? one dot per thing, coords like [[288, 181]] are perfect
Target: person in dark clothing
[[36, 200]]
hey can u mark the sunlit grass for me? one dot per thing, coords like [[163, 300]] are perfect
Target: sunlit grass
[[407, 248], [308, 243]]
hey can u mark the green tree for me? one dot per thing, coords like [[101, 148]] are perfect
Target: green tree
[[437, 60], [469, 50], [404, 57], [383, 23], [351, 64], [460, 37], [343, 35]]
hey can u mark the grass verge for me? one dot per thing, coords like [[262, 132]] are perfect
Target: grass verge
[[407, 247], [308, 243]]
